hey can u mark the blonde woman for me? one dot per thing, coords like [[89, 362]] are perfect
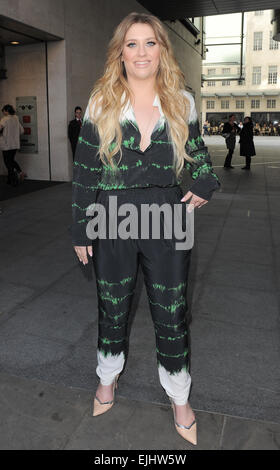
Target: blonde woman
[[139, 133]]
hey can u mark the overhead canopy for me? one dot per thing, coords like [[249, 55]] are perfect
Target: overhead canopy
[[12, 30], [179, 9]]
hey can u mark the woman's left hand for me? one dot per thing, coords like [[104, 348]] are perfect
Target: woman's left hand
[[195, 201]]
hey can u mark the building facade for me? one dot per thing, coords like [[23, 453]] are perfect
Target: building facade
[[257, 93]]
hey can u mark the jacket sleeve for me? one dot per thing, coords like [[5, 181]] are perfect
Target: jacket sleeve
[[205, 180], [21, 128], [87, 169], [69, 130]]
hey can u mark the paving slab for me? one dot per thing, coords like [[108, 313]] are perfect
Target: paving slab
[[11, 295], [244, 252], [36, 415], [250, 435], [242, 275], [252, 308]]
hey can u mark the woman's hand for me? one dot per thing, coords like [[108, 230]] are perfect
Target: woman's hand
[[195, 201], [81, 252]]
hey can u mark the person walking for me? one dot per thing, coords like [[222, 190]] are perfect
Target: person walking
[[230, 130], [140, 132], [247, 147], [11, 129], [206, 127], [74, 128], [257, 129]]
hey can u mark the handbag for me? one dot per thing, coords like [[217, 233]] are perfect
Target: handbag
[[226, 136]]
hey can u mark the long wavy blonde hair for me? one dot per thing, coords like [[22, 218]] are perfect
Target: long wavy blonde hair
[[108, 90]]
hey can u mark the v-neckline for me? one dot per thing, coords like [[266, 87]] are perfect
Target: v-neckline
[[135, 125], [134, 116], [154, 128], [150, 136]]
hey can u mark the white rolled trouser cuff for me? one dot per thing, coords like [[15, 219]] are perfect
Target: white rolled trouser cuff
[[177, 386], [109, 366]]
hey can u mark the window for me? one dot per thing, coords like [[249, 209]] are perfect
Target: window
[[259, 13], [226, 71], [256, 78], [239, 104], [272, 74], [225, 104], [211, 83], [271, 104], [241, 82], [257, 41], [243, 70], [210, 104], [255, 103], [272, 44], [225, 82], [211, 71], [195, 21]]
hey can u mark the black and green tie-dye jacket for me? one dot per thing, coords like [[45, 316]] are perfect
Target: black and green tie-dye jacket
[[137, 169]]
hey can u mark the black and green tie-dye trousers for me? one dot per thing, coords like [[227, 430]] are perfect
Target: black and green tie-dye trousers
[[165, 271]]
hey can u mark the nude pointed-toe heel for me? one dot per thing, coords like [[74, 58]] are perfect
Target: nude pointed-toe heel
[[100, 407], [189, 433]]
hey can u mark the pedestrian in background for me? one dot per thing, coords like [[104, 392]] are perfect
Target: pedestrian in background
[[220, 128], [230, 130], [206, 127], [74, 127], [247, 147], [11, 129]]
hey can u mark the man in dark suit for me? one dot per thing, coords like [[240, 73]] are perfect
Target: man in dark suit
[[229, 132], [74, 129]]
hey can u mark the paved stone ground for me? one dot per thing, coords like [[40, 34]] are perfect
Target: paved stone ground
[[48, 325]]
